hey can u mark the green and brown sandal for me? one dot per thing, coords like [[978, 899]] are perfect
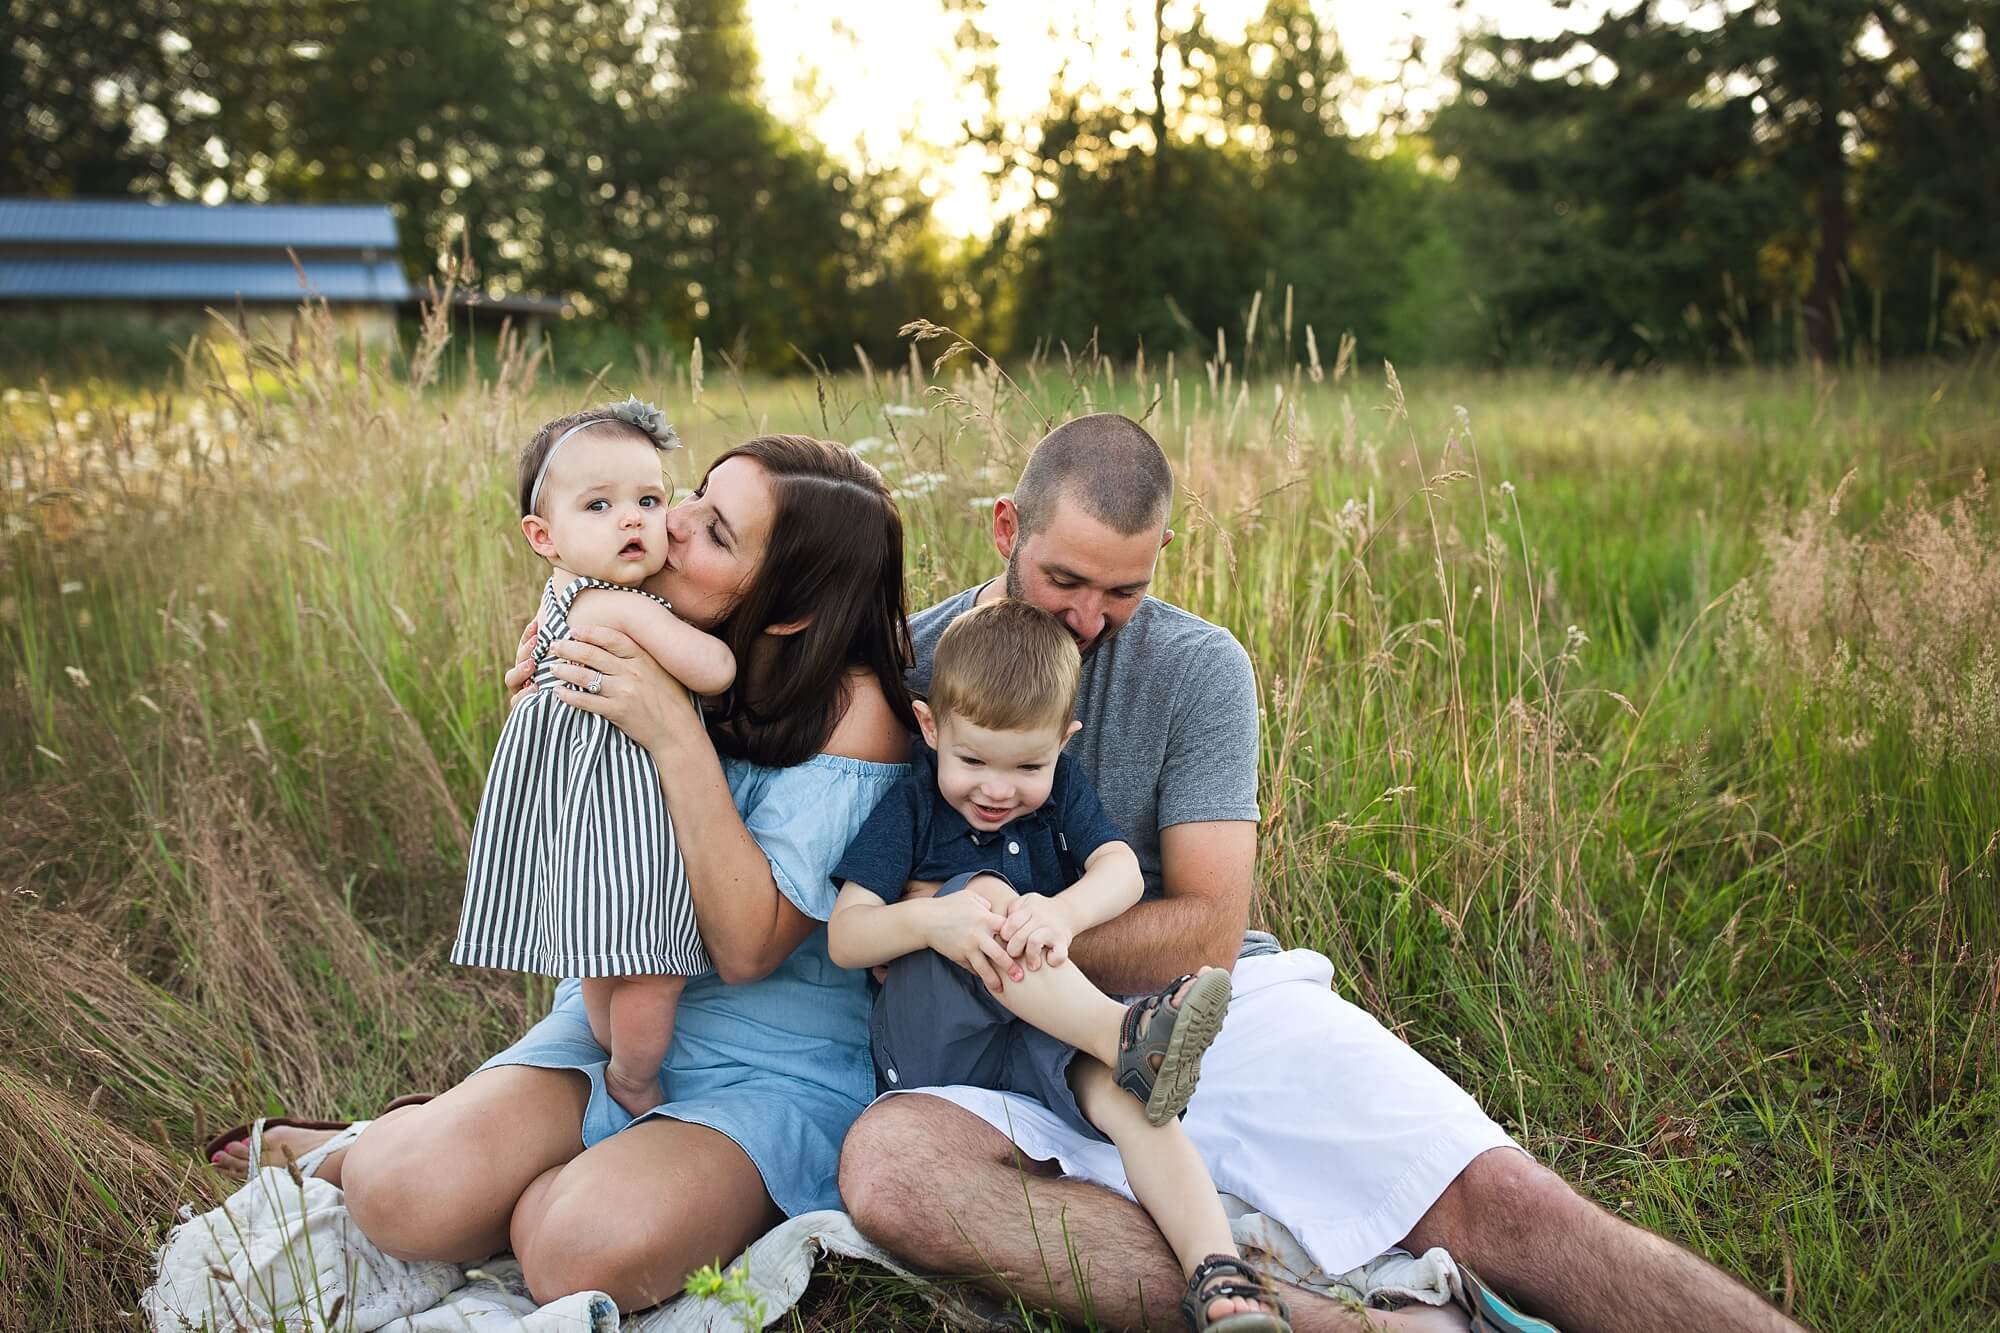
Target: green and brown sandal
[[1160, 1043], [1224, 1276]]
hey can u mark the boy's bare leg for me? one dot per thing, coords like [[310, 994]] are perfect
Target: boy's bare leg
[[1067, 1005], [633, 1019], [1165, 1173]]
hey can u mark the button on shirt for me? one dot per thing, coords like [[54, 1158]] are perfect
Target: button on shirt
[[915, 834]]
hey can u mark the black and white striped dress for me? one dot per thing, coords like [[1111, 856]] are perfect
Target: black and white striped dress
[[574, 871]]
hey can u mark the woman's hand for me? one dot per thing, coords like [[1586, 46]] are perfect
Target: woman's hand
[[619, 681], [520, 677]]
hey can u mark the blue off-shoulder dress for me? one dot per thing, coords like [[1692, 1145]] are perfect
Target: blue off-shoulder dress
[[779, 1065]]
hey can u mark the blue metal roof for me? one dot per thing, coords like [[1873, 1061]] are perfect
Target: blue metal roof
[[153, 279], [136, 222]]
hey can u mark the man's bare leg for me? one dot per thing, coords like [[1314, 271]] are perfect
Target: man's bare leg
[[945, 1190], [1553, 1252]]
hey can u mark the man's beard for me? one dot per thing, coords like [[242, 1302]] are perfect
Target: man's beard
[[1014, 590]]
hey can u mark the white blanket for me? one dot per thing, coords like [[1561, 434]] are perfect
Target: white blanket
[[284, 1250]]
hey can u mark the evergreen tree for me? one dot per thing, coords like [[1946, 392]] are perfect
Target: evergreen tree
[[1673, 185]]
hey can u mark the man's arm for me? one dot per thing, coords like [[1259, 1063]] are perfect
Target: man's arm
[[1198, 921]]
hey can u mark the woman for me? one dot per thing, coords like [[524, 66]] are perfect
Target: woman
[[791, 551]]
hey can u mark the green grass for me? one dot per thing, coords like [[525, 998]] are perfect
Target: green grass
[[1648, 797]]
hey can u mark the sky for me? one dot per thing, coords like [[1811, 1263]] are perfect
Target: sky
[[874, 81]]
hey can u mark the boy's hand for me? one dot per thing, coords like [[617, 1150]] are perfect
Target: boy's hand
[[965, 928], [1038, 928]]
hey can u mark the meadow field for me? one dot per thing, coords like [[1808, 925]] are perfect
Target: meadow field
[[1631, 744]]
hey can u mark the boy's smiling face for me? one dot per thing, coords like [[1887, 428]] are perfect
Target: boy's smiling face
[[604, 509], [993, 777]]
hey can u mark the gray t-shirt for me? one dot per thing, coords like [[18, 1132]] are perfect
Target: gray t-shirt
[[1169, 713]]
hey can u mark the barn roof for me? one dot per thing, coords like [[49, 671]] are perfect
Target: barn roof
[[84, 249], [136, 222]]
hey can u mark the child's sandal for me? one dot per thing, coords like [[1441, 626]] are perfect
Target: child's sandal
[[1224, 1275], [1174, 1035]]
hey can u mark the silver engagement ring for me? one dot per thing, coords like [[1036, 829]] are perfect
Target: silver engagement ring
[[595, 683]]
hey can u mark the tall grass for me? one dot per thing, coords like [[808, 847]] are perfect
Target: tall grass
[[1629, 744]]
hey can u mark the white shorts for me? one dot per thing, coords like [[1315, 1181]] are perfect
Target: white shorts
[[1309, 1111]]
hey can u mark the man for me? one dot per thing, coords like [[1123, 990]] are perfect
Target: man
[[1308, 1109]]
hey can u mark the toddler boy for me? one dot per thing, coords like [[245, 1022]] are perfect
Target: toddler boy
[[978, 990]]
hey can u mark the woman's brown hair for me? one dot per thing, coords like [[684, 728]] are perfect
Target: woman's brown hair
[[834, 558]]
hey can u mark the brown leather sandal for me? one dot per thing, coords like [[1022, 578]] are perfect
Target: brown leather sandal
[[240, 1133]]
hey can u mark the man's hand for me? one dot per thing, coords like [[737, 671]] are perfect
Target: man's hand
[[1038, 929], [964, 928]]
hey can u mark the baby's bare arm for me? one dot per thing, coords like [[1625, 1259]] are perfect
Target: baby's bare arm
[[694, 657]]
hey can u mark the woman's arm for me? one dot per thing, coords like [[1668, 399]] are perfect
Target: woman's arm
[[748, 926], [694, 657]]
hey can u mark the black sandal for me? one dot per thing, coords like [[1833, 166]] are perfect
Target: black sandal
[[1175, 1036], [1224, 1275]]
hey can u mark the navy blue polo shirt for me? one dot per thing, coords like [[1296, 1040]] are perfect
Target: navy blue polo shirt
[[915, 834]]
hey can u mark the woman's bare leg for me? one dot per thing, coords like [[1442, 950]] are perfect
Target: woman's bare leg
[[637, 1213], [439, 1181], [282, 1143]]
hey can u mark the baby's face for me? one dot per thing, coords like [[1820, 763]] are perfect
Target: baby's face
[[995, 777], [606, 507]]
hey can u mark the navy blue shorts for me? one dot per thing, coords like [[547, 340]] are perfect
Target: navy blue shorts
[[936, 1025]]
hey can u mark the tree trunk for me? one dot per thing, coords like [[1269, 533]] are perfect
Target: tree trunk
[[1830, 262], [1159, 100]]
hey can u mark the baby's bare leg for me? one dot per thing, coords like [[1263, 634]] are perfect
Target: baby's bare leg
[[1164, 1170], [633, 1019]]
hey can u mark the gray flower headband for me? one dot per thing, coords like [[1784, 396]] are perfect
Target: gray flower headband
[[643, 417]]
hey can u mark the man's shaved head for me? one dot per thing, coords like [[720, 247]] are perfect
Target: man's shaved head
[[1107, 464]]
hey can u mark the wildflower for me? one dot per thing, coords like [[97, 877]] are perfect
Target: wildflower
[[1506, 488], [70, 586], [76, 674]]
